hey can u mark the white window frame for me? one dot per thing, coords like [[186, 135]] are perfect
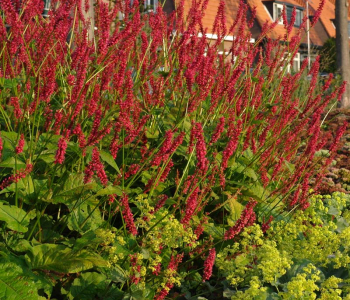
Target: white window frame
[[297, 58], [47, 4], [276, 7], [296, 17], [290, 66], [148, 3]]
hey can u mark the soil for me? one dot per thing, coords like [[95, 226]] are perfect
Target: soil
[[338, 174]]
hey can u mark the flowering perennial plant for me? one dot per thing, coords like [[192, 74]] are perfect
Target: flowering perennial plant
[[141, 161]]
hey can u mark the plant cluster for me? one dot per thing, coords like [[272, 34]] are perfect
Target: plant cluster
[[144, 164]]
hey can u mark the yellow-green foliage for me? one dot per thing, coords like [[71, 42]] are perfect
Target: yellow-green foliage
[[293, 257]]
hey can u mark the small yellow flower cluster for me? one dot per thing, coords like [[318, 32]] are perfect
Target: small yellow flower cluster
[[319, 234], [108, 245], [307, 236], [231, 264], [170, 277], [106, 235], [169, 232], [272, 262], [154, 262], [330, 290], [255, 291], [342, 258], [144, 220], [303, 285], [253, 256]]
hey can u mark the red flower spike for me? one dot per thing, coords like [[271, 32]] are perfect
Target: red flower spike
[[246, 219], [15, 178], [208, 265], [128, 216], [20, 146], [61, 151]]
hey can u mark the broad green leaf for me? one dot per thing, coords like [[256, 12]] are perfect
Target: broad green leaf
[[256, 191], [13, 163], [110, 190], [84, 218], [60, 258], [108, 158], [17, 282], [19, 245], [234, 207], [214, 231], [73, 189], [117, 274], [88, 285], [11, 137], [138, 293], [48, 156], [248, 153], [341, 224], [250, 173], [290, 167], [152, 134], [16, 218], [28, 184], [88, 239]]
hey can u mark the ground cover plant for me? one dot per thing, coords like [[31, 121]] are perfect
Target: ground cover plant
[[143, 164]]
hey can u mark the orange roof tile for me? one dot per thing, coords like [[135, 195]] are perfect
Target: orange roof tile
[[318, 34], [327, 15], [263, 15], [231, 10]]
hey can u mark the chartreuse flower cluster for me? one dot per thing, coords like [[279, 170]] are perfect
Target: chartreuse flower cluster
[[297, 258], [252, 258]]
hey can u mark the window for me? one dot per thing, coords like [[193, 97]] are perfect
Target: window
[[151, 5], [296, 63], [46, 8], [277, 12], [147, 5], [299, 18]]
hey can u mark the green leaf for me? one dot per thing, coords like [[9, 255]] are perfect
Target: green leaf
[[290, 167], [88, 285], [88, 239], [341, 224], [139, 293], [17, 282], [250, 173], [73, 189], [117, 274], [110, 190], [16, 218], [60, 258], [213, 230], [84, 218], [256, 191], [13, 163], [9, 137], [108, 158], [233, 206], [152, 135]]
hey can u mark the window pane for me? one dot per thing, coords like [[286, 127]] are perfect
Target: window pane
[[289, 13], [298, 18]]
